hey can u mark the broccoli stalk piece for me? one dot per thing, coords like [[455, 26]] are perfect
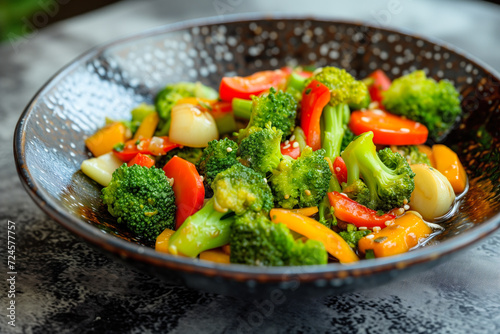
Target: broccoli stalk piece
[[302, 182], [277, 108], [168, 97], [387, 177], [236, 190], [335, 124], [422, 99], [261, 150], [255, 240], [141, 198], [218, 156]]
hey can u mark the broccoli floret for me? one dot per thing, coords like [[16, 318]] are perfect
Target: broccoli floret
[[141, 198], [413, 155], [422, 99], [352, 235], [343, 86], [255, 240], [346, 92], [347, 139], [236, 190], [261, 150], [302, 182], [239, 189], [191, 154], [387, 175], [169, 96], [277, 108], [218, 156]]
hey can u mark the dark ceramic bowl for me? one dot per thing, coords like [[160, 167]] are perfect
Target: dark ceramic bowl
[[110, 80]]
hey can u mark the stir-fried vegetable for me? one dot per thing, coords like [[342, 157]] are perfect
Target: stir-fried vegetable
[[340, 171]]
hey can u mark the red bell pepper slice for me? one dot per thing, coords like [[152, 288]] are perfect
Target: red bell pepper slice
[[354, 213], [188, 188], [340, 170], [290, 150], [255, 84], [387, 128], [380, 84], [142, 160], [152, 146], [314, 98]]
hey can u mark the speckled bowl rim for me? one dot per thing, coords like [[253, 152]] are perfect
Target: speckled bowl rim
[[126, 249]]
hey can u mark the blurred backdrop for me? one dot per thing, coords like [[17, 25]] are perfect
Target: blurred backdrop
[[20, 17]]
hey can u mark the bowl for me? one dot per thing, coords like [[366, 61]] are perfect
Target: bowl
[[108, 81]]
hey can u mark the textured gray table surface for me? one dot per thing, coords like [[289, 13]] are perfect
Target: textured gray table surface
[[65, 286]]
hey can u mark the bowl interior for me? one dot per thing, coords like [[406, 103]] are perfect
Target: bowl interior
[[109, 81]]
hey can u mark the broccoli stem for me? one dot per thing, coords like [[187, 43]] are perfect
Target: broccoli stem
[[242, 108], [300, 137], [296, 82], [335, 119], [204, 230], [325, 216]]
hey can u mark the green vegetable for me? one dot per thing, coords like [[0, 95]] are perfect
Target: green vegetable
[[413, 155], [345, 92], [277, 108], [169, 96], [191, 154], [218, 156], [255, 240], [141, 198], [236, 190], [352, 235], [302, 182], [387, 179], [261, 150], [300, 137], [347, 139], [422, 99]]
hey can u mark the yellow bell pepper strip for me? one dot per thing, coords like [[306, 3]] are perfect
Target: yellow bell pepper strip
[[359, 215], [397, 238], [105, 139], [215, 255], [308, 212], [148, 126], [448, 163], [312, 229], [162, 240]]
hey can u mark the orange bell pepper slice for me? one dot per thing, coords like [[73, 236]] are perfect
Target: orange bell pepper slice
[[312, 229]]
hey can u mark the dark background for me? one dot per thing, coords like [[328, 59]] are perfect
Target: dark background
[[14, 14]]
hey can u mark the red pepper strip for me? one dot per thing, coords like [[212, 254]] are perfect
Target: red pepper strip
[[354, 213], [314, 98], [188, 188], [152, 146], [380, 84], [142, 160], [387, 128], [290, 150], [340, 170], [244, 87]]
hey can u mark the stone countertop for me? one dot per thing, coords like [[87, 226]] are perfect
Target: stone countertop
[[65, 286]]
